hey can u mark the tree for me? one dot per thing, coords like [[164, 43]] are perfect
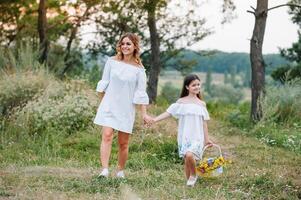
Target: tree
[[293, 54], [208, 82], [257, 62], [233, 75], [226, 77], [247, 78], [151, 7], [79, 19], [42, 26], [166, 37]]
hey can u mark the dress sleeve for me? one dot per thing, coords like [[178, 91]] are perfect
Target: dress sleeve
[[205, 114], [140, 95], [173, 110], [104, 82]]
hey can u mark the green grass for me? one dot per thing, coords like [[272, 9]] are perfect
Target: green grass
[[67, 165], [56, 163]]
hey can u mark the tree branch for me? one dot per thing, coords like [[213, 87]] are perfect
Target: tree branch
[[249, 11], [288, 4]]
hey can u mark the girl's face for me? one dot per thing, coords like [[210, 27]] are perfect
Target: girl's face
[[194, 87], [127, 46]]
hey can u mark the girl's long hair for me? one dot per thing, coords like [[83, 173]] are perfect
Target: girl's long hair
[[135, 39], [187, 80]]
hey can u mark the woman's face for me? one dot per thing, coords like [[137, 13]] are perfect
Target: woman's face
[[194, 87], [127, 46]]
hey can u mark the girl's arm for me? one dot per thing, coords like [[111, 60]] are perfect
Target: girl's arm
[[206, 135], [162, 116]]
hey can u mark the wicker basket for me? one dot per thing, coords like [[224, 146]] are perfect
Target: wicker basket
[[212, 166]]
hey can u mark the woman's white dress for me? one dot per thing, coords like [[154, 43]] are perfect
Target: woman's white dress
[[124, 86], [190, 126]]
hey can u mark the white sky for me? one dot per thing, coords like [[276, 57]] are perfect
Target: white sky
[[235, 36]]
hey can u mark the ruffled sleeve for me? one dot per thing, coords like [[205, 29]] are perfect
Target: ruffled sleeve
[[181, 109], [104, 82], [205, 113], [172, 109], [140, 95]]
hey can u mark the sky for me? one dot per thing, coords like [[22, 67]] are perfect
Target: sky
[[235, 36]]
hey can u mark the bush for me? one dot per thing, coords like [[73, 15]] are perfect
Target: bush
[[240, 116], [60, 108], [170, 93], [287, 73], [17, 89], [283, 103]]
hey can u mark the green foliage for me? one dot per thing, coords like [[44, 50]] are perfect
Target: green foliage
[[273, 134], [57, 108], [225, 94], [240, 116], [287, 73], [94, 75], [17, 89], [170, 93], [208, 82], [283, 103], [19, 59], [246, 78], [221, 62]]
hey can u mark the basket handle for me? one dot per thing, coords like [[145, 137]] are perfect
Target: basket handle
[[212, 145]]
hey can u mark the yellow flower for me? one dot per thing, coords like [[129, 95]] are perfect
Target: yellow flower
[[206, 166]]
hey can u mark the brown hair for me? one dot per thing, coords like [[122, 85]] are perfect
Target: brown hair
[[135, 39], [187, 80]]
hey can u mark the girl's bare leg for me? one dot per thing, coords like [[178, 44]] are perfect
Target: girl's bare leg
[[189, 164]]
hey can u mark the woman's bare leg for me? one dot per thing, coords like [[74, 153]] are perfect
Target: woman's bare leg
[[106, 146], [123, 144]]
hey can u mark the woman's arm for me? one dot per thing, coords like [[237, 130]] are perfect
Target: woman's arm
[[146, 118], [162, 116]]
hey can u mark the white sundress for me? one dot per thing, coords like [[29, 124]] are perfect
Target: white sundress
[[124, 86], [190, 127]]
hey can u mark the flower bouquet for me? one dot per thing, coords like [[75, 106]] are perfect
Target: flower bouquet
[[210, 167]]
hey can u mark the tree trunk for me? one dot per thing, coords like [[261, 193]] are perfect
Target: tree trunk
[[71, 39], [155, 56], [257, 62], [42, 26]]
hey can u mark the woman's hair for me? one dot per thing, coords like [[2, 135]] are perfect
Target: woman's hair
[[135, 39], [187, 80]]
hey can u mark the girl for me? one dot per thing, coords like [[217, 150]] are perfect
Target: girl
[[123, 85], [192, 126]]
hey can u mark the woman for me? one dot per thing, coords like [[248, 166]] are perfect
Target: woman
[[123, 85]]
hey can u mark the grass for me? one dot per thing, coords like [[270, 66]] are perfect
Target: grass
[[66, 167]]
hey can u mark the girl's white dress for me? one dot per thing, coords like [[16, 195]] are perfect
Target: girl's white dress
[[190, 126], [124, 86]]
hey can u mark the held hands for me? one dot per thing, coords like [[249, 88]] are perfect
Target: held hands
[[148, 120]]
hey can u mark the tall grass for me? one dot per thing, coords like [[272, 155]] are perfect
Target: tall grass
[[18, 88], [282, 104], [19, 59]]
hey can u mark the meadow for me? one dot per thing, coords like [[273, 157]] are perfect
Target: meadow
[[49, 149]]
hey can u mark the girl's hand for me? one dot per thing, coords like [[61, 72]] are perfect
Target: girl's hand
[[209, 143]]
